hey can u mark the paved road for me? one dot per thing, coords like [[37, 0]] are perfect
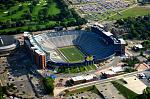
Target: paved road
[[145, 80], [102, 81]]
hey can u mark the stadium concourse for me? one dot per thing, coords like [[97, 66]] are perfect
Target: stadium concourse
[[93, 43]]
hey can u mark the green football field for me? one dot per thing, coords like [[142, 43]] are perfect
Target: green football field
[[72, 54]]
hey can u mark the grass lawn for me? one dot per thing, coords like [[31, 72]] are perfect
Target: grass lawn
[[17, 15], [25, 28], [82, 69], [67, 70], [127, 93], [76, 69], [53, 9], [37, 8], [72, 54], [63, 70], [93, 66], [2, 14], [71, 93], [105, 15], [92, 89], [133, 12], [88, 67]]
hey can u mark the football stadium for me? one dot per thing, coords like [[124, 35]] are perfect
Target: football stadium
[[74, 47]]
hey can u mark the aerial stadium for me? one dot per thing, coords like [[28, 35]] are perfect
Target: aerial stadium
[[8, 44], [72, 48]]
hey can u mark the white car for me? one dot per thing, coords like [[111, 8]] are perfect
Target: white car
[[142, 75]]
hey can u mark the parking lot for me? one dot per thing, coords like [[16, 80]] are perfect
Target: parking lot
[[15, 70], [94, 10], [146, 80], [109, 91], [104, 6]]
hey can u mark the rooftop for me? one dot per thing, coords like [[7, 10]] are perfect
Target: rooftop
[[141, 66], [139, 46], [107, 33], [122, 41], [87, 77]]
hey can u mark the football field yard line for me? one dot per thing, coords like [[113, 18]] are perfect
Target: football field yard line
[[63, 56]]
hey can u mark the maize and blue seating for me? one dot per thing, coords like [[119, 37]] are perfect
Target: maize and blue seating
[[91, 43]]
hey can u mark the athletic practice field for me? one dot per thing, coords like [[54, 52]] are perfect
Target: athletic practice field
[[72, 54]]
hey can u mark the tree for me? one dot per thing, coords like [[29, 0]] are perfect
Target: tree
[[20, 7], [129, 70], [146, 44], [148, 58], [146, 94], [1, 92], [67, 17], [49, 86], [114, 31], [139, 26], [147, 91], [131, 61], [141, 53]]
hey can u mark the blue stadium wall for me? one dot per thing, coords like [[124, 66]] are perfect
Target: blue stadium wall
[[118, 48]]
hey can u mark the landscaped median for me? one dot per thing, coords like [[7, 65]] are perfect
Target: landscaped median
[[91, 89]]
